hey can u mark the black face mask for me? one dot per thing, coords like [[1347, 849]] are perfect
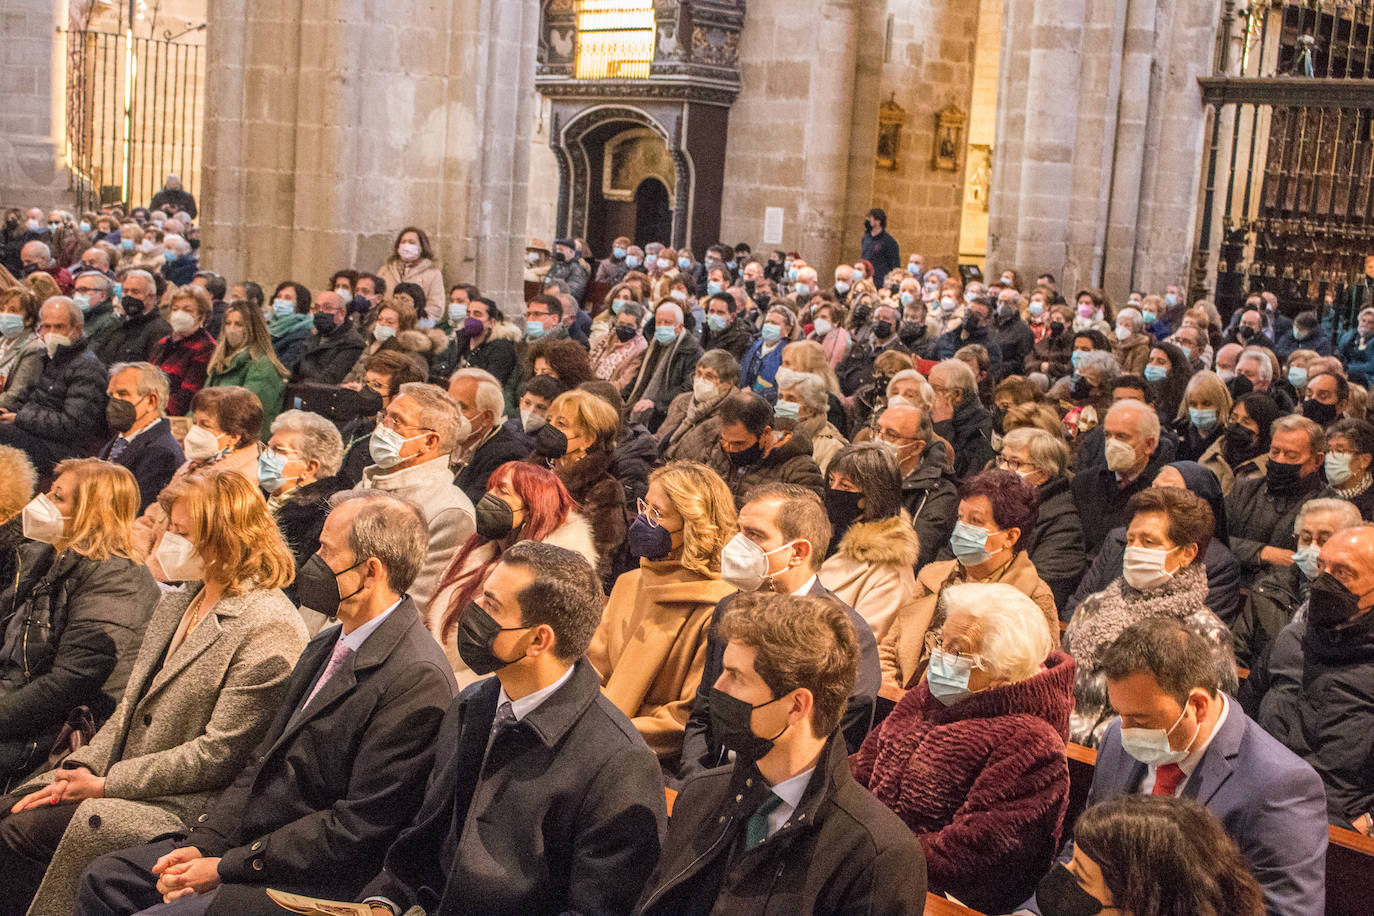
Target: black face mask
[[972, 323], [1081, 389], [317, 586], [624, 333], [1282, 478], [550, 442], [1239, 444], [1319, 413], [350, 405], [749, 288], [882, 330], [861, 314], [868, 225], [133, 306], [746, 457], [29, 269], [476, 632], [648, 541], [1329, 603], [1239, 387], [120, 415], [1056, 328], [325, 323], [842, 506], [559, 256], [910, 333], [730, 726], [1060, 894], [495, 517]]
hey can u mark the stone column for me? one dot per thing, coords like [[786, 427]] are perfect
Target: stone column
[[332, 125], [32, 58]]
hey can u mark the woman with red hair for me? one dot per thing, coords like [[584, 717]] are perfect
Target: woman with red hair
[[523, 502]]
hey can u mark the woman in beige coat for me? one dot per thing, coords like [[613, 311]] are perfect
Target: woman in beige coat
[[997, 511], [210, 675], [650, 647], [876, 547], [412, 261]]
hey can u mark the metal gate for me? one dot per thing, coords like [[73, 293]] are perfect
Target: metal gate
[[134, 113], [1288, 192]]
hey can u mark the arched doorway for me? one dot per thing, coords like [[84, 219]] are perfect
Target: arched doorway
[[653, 213]]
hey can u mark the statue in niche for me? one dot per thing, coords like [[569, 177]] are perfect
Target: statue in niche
[[890, 119], [949, 138]]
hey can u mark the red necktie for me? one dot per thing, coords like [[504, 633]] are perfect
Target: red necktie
[[1167, 779]]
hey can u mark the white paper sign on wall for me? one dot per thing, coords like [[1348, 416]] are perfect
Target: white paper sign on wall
[[772, 226]]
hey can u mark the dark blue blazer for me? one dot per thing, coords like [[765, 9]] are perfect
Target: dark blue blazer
[[152, 458], [1268, 799]]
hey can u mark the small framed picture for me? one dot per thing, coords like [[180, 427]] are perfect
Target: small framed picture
[[949, 139]]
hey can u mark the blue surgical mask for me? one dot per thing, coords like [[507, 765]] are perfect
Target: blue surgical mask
[[1077, 359], [169, 256], [1037, 309], [85, 226], [684, 263], [281, 308], [11, 325], [1205, 419], [1148, 317], [947, 676], [970, 544], [1338, 472], [534, 329], [457, 312], [788, 410], [616, 306], [118, 290], [713, 287], [717, 323], [83, 302], [1297, 376], [665, 335], [1305, 559], [1170, 300], [386, 444], [270, 467], [907, 299], [770, 333], [618, 252], [1155, 373], [631, 261], [792, 274], [126, 244]]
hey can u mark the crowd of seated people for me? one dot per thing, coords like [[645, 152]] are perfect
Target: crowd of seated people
[[680, 586]]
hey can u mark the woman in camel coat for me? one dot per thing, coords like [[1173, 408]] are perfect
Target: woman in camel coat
[[650, 647]]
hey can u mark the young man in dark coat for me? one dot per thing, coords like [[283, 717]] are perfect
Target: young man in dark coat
[[785, 829], [878, 248], [544, 799], [342, 769], [973, 330], [754, 449], [726, 328], [62, 413]]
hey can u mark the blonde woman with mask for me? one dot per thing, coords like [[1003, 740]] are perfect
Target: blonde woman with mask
[[208, 680], [76, 613]]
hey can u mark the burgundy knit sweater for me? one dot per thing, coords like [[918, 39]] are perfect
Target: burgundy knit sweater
[[983, 783]]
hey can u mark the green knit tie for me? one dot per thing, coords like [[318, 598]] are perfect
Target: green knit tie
[[756, 828]]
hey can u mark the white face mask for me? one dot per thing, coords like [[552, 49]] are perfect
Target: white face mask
[[178, 558], [1120, 456], [382, 333], [702, 390], [53, 341], [744, 564], [531, 421], [1151, 745], [408, 251], [1143, 567], [200, 444], [786, 377], [1122, 332], [42, 520]]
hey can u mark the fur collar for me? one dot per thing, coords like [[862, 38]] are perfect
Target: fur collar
[[887, 540]]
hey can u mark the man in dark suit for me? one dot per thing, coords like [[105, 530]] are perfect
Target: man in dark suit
[[786, 829], [1179, 735], [545, 799], [341, 770], [788, 523], [143, 440], [491, 444]]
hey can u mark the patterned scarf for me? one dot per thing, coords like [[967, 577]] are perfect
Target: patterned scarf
[[1119, 605]]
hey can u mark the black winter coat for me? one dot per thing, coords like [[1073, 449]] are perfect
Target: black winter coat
[[133, 340], [1223, 575], [930, 494], [788, 462], [329, 357], [503, 446], [1101, 500], [1257, 519], [840, 851], [951, 342], [301, 517], [72, 629], [970, 432], [735, 339], [634, 457], [66, 404], [1052, 349], [1016, 340], [1055, 544], [1315, 693], [1275, 595]]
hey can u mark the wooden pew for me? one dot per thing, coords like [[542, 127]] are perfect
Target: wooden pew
[[939, 906], [1349, 857]]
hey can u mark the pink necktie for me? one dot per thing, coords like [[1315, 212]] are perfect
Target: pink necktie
[[341, 654]]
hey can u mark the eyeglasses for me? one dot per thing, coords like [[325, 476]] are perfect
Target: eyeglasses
[[538, 314], [653, 515], [935, 642], [896, 438], [394, 422], [1012, 464]]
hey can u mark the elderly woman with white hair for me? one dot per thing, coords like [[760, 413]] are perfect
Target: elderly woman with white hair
[[1055, 545], [1130, 343], [973, 757], [805, 401], [297, 473]]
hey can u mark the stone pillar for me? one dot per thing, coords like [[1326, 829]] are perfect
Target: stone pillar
[[32, 57], [332, 125]]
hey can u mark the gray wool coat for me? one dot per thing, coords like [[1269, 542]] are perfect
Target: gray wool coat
[[184, 728]]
